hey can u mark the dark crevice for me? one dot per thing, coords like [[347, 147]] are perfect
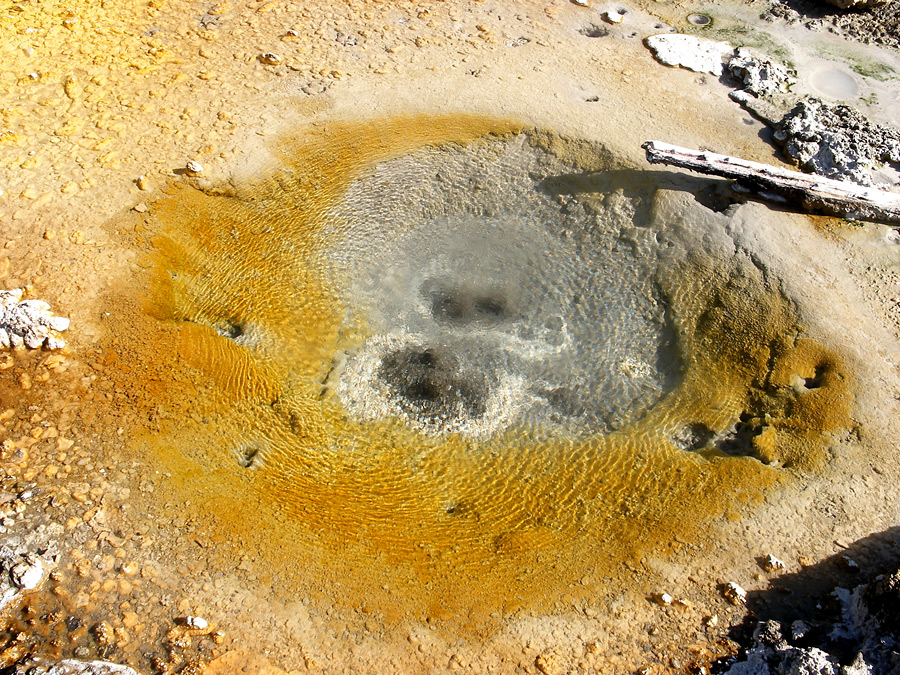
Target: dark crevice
[[227, 328], [739, 441], [456, 509], [817, 380], [230, 329], [694, 437], [248, 456], [594, 31], [327, 377], [735, 442]]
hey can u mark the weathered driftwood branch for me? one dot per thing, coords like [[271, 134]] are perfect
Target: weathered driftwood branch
[[814, 193]]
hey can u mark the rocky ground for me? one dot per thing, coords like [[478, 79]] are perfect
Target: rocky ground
[[878, 23], [121, 552]]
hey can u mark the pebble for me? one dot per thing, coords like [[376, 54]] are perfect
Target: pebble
[[772, 564], [735, 594], [196, 622], [103, 631], [581, 3], [130, 568], [614, 17], [193, 168], [663, 599], [269, 59], [143, 183]]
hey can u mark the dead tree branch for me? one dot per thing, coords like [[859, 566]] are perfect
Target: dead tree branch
[[812, 192]]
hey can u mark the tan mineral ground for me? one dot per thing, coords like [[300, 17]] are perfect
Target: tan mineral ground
[[261, 452]]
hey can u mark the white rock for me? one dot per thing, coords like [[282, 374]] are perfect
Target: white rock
[[59, 323], [772, 564], [193, 168], [697, 54], [837, 142], [27, 575], [72, 667], [8, 298], [663, 599], [799, 629], [55, 343], [613, 17], [35, 306], [581, 3], [34, 337], [196, 622], [812, 661], [857, 667], [29, 323], [760, 77]]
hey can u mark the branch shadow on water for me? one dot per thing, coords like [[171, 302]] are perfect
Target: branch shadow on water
[[640, 187]]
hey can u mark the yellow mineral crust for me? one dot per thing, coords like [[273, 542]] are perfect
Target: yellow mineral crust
[[234, 327]]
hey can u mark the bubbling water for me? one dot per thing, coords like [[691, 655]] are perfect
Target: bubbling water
[[493, 306]]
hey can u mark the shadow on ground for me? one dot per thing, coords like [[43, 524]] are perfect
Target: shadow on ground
[[809, 596]]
